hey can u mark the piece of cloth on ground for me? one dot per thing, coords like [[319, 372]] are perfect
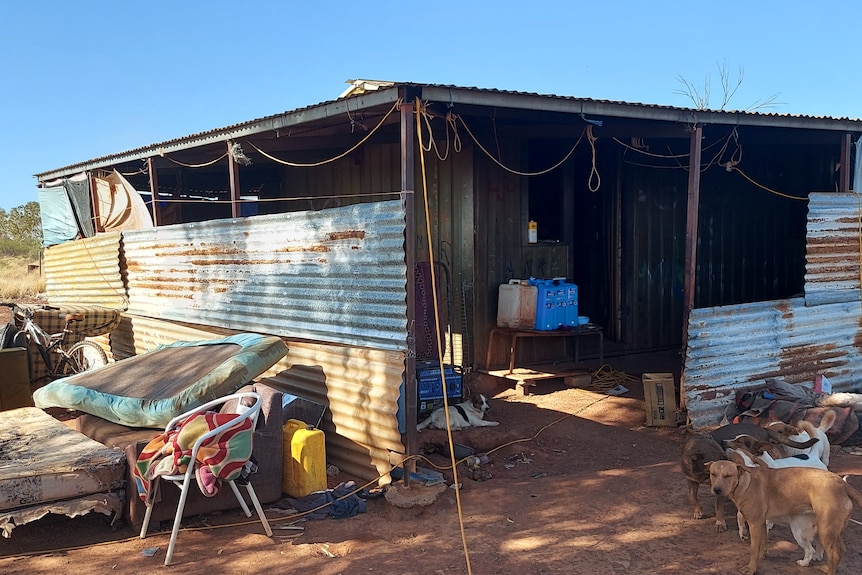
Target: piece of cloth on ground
[[782, 401], [338, 502]]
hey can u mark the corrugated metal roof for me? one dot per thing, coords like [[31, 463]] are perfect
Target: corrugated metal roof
[[834, 248], [732, 348], [461, 95], [337, 275]]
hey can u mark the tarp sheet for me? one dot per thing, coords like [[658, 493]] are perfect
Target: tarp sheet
[[58, 219]]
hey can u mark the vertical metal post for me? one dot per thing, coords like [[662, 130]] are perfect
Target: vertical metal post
[[94, 199], [845, 168], [408, 134], [154, 189], [233, 169], [691, 215]]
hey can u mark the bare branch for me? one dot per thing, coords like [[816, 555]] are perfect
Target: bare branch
[[701, 100]]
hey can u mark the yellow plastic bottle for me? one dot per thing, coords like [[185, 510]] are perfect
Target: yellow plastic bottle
[[304, 469]]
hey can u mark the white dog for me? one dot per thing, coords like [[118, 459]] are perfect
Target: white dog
[[821, 449], [465, 414]]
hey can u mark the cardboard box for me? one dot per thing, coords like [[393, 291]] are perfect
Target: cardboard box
[[659, 399]]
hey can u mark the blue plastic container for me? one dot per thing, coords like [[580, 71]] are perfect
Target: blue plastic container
[[549, 312], [556, 303], [571, 305]]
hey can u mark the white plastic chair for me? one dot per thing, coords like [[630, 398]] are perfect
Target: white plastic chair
[[184, 481]]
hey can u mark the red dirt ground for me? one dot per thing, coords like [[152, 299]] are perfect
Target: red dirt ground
[[578, 485]]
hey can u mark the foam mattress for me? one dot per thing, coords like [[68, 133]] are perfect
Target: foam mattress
[[149, 389], [43, 461]]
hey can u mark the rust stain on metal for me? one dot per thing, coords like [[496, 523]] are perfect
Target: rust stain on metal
[[313, 248], [346, 235], [786, 310], [802, 362], [202, 252]]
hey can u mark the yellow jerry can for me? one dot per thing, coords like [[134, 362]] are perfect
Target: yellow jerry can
[[304, 470]]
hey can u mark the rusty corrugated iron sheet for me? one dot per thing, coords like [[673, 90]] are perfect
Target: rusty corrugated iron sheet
[[86, 272], [359, 386], [733, 348], [834, 248], [335, 275]]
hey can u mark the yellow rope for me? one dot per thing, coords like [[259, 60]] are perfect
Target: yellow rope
[[428, 238], [605, 378], [762, 187], [204, 165], [339, 156], [516, 172], [594, 172]]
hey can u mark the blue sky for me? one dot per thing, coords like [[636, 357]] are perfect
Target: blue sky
[[89, 78]]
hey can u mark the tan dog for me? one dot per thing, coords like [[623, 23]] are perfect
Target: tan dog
[[802, 526], [762, 494], [699, 450]]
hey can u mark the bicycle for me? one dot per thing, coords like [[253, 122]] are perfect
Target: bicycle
[[59, 360]]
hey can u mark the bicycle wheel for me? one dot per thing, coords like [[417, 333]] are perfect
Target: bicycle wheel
[[84, 356]]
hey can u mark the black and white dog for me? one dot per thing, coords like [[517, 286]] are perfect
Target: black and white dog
[[468, 413]]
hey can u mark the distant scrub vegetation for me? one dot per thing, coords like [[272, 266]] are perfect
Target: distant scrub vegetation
[[20, 249]]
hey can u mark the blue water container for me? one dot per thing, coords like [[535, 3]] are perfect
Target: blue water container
[[571, 305], [548, 300]]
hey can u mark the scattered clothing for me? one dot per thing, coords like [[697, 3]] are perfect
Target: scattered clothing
[[338, 502], [790, 403]]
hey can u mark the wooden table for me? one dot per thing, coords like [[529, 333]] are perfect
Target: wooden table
[[516, 334]]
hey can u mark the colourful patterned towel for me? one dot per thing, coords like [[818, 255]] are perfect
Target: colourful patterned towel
[[221, 457]]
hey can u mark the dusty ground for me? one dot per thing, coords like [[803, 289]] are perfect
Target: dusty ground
[[578, 485]]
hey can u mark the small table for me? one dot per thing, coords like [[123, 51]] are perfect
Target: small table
[[514, 335]]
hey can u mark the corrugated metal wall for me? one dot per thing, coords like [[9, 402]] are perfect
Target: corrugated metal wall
[[337, 275], [86, 272], [834, 248], [732, 348], [653, 251]]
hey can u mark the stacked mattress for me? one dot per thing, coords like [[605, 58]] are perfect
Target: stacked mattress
[[46, 467]]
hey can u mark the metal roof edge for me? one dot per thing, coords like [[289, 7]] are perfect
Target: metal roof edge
[[468, 96], [278, 121]]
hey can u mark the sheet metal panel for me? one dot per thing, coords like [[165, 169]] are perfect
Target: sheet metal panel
[[359, 386], [732, 348], [834, 248], [86, 272], [335, 275]]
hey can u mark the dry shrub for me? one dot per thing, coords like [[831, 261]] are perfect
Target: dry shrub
[[18, 280]]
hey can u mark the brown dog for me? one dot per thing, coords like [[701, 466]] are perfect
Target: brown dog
[[762, 493], [698, 451]]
